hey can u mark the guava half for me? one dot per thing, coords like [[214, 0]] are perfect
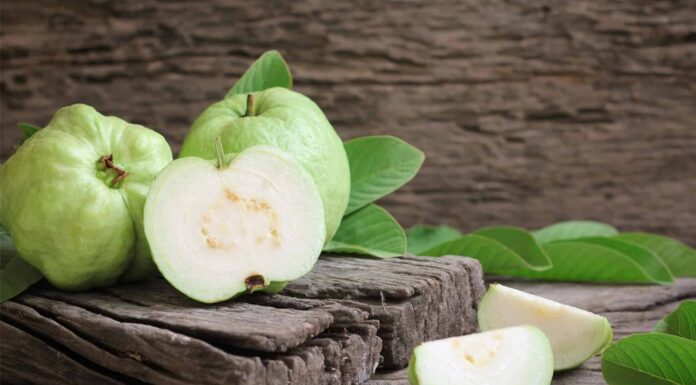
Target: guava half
[[289, 121], [575, 334], [519, 355], [239, 224], [72, 197]]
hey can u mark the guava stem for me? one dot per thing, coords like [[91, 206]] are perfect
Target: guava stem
[[220, 152], [108, 162], [250, 110]]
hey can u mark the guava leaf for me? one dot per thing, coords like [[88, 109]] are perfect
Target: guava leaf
[[591, 262], [519, 241], [680, 258], [681, 322], [653, 265], [16, 275], [495, 257], [28, 129], [421, 238], [378, 166], [7, 248], [268, 71], [369, 231], [650, 359], [573, 230]]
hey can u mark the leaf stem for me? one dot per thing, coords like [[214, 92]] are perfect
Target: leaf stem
[[250, 107]]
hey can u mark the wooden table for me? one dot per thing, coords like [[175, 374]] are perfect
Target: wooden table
[[630, 309], [334, 326]]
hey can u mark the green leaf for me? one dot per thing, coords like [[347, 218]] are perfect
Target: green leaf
[[268, 71], [16, 275], [28, 129], [378, 166], [369, 231], [519, 241], [495, 257], [681, 322], [573, 230], [589, 262], [7, 248], [680, 258], [653, 265], [421, 238], [650, 359]]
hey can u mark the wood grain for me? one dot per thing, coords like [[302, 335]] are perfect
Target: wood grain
[[529, 112], [630, 309], [325, 328]]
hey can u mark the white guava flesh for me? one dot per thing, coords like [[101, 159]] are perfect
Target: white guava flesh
[[519, 355], [216, 232], [575, 334]]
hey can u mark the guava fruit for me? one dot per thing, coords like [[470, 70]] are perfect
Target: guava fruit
[[575, 334], [72, 197], [519, 355], [238, 224], [284, 119]]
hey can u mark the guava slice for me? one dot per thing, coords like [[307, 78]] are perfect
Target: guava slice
[[519, 355], [575, 334], [239, 224]]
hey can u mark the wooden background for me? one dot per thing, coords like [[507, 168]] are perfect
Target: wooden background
[[529, 111]]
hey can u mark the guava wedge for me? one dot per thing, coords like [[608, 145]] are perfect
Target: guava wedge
[[575, 334], [72, 198], [519, 355], [284, 119], [242, 223]]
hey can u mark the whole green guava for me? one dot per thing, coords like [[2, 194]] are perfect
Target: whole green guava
[[287, 120], [72, 197]]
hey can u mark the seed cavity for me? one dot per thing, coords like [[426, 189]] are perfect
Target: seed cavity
[[216, 233]]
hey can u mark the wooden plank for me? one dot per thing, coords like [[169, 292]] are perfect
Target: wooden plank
[[321, 330], [236, 324], [25, 359], [143, 352], [529, 112], [630, 309], [423, 298]]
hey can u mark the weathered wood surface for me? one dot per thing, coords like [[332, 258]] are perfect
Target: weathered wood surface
[[325, 328], [630, 309], [529, 111]]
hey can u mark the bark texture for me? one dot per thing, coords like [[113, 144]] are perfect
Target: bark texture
[[529, 112], [630, 309], [326, 328]]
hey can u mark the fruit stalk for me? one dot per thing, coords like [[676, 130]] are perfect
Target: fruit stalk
[[219, 152], [250, 111], [108, 162]]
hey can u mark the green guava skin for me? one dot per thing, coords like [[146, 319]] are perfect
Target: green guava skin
[[59, 205], [287, 120]]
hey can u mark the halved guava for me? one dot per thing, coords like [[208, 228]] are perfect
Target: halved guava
[[286, 120], [247, 223], [519, 355], [575, 334]]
